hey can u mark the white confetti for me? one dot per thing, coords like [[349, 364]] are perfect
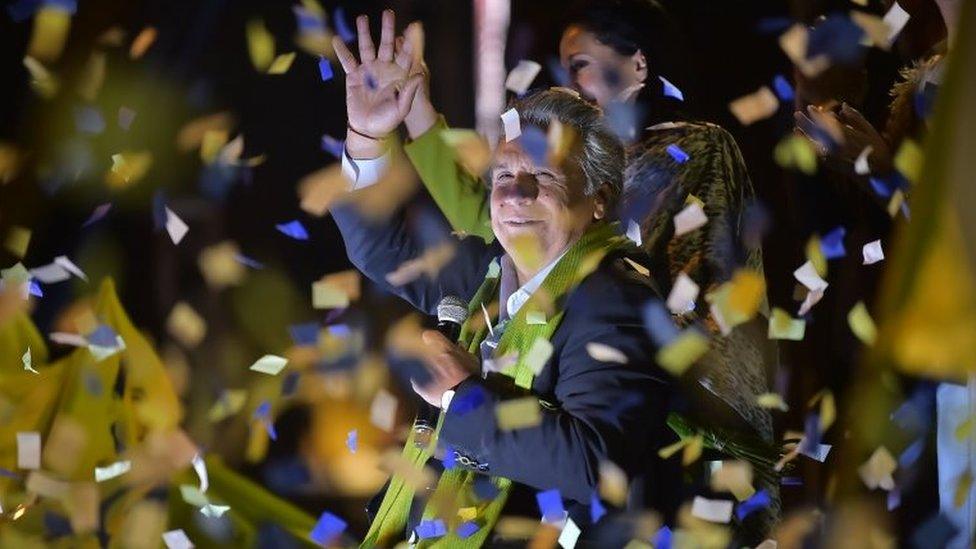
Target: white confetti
[[29, 450], [895, 19], [689, 219], [819, 453], [522, 76], [201, 468], [683, 295], [50, 273], [270, 364], [111, 471], [873, 252], [634, 231], [538, 355], [605, 353], [26, 359], [861, 166], [382, 412], [513, 128], [175, 226], [66, 264], [808, 302], [569, 535], [807, 275], [66, 338], [712, 510], [176, 539]]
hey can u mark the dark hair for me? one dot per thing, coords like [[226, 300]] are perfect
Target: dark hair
[[631, 25]]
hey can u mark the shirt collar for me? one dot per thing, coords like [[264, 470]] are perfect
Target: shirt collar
[[513, 298]]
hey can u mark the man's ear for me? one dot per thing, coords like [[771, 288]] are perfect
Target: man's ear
[[601, 201], [640, 65]]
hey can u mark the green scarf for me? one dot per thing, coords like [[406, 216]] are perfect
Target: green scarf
[[391, 519]]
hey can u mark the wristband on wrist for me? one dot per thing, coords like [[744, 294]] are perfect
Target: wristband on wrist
[[366, 135]]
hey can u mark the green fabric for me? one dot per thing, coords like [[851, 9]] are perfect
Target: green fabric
[[460, 195], [577, 263]]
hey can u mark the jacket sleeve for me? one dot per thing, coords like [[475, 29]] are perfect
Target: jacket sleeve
[[460, 195], [379, 248], [607, 410]]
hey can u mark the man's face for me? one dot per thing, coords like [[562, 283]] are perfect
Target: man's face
[[537, 208]]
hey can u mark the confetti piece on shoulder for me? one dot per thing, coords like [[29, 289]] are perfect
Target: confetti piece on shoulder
[[29, 450], [754, 107], [382, 411], [518, 413], [521, 77], [113, 470], [605, 353], [513, 127], [177, 539], [690, 218], [712, 510], [597, 510], [678, 355], [140, 45], [282, 63], [676, 152], [783, 326], [184, 324], [859, 319], [872, 252], [569, 535], [293, 229], [175, 226], [535, 317], [670, 90], [270, 364], [260, 44]]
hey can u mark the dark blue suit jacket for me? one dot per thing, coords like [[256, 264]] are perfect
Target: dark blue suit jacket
[[603, 411]]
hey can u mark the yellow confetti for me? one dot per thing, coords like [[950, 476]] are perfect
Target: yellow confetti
[[230, 402], [467, 513], [605, 353], [613, 484], [876, 471], [738, 300], [10, 158], [772, 400], [336, 290], [794, 44], [219, 265], [537, 355], [672, 449], [908, 160], [678, 355], [693, 450], [561, 139], [92, 76], [51, 25], [191, 135], [735, 477], [638, 267], [128, 167], [963, 486], [535, 317], [319, 190], [430, 262], [518, 413], [145, 38], [18, 239], [527, 251], [415, 476], [815, 255], [42, 81], [784, 326], [185, 325], [795, 151], [282, 63], [828, 410], [965, 428], [859, 319], [260, 45], [213, 142], [754, 107], [894, 204]]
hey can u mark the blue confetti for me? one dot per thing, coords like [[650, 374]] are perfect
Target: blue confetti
[[467, 529], [662, 539], [339, 330], [262, 413], [894, 498], [159, 210], [56, 525], [670, 90], [103, 336], [325, 69], [658, 324], [126, 116], [832, 243], [308, 22], [8, 473], [837, 37], [597, 510], [327, 528], [550, 505], [783, 88], [89, 120], [98, 214], [911, 454], [333, 146], [791, 481], [341, 26], [352, 441], [677, 154], [290, 383], [462, 404], [35, 289], [304, 334], [431, 529], [294, 229], [244, 260], [758, 501]]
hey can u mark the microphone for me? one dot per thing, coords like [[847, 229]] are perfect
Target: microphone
[[451, 314]]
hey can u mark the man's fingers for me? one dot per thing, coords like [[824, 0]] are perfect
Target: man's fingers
[[414, 35], [346, 58], [404, 100], [367, 51], [434, 338], [385, 52], [402, 53]]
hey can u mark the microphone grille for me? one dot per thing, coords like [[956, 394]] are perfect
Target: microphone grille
[[452, 309]]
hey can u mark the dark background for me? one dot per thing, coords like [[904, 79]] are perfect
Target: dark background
[[199, 65]]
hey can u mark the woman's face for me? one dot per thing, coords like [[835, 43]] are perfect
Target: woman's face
[[596, 70]]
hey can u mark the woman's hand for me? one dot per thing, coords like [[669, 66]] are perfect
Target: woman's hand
[[857, 135], [378, 90]]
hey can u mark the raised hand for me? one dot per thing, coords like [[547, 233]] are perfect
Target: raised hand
[[378, 90]]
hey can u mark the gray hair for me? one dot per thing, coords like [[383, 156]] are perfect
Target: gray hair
[[597, 151]]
